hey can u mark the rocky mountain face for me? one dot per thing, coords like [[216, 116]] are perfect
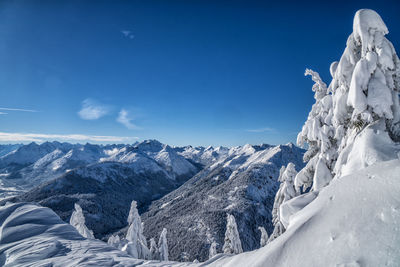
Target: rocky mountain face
[[242, 183]]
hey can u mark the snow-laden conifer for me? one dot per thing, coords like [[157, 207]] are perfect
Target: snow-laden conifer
[[163, 245], [365, 90], [232, 244], [114, 241], [318, 132], [286, 192], [356, 120], [137, 246], [213, 250], [154, 253], [264, 236], [78, 221]]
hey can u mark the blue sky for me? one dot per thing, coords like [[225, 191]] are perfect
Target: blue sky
[[183, 72]]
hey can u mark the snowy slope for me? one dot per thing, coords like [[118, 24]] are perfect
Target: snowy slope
[[244, 183], [5, 149], [354, 221], [31, 235]]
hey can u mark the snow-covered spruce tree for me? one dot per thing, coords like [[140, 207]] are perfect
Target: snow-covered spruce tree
[[78, 221], [318, 132], [213, 250], [356, 121], [163, 245], [365, 90], [154, 254], [264, 236], [285, 192], [137, 244], [232, 244], [114, 241]]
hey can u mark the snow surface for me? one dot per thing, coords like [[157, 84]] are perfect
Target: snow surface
[[31, 235], [354, 221]]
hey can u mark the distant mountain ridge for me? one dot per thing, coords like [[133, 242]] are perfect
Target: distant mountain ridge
[[23, 167], [104, 179], [189, 190]]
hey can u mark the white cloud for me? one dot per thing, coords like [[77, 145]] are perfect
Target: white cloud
[[34, 137], [3, 113], [128, 34], [261, 130], [92, 110], [18, 109], [126, 120]]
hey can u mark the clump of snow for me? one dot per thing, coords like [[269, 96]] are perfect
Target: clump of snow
[[367, 26]]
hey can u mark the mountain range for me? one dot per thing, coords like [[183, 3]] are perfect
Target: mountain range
[[189, 190]]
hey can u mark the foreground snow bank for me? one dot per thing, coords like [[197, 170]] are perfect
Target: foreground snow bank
[[31, 235], [354, 221]]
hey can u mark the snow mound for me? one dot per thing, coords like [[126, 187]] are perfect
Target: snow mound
[[354, 221], [31, 235]]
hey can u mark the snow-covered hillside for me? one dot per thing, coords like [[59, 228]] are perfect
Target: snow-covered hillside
[[31, 235], [355, 221], [350, 223], [243, 183]]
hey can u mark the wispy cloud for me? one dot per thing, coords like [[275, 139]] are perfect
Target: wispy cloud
[[261, 130], [125, 119], [3, 113], [92, 110], [34, 137], [128, 34], [18, 109]]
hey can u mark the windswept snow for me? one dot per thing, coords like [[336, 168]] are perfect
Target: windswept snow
[[354, 221], [31, 235]]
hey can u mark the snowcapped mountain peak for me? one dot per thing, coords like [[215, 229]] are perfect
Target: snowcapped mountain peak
[[248, 149], [48, 158], [150, 146]]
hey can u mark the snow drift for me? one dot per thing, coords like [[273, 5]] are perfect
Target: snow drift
[[31, 235], [355, 221]]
